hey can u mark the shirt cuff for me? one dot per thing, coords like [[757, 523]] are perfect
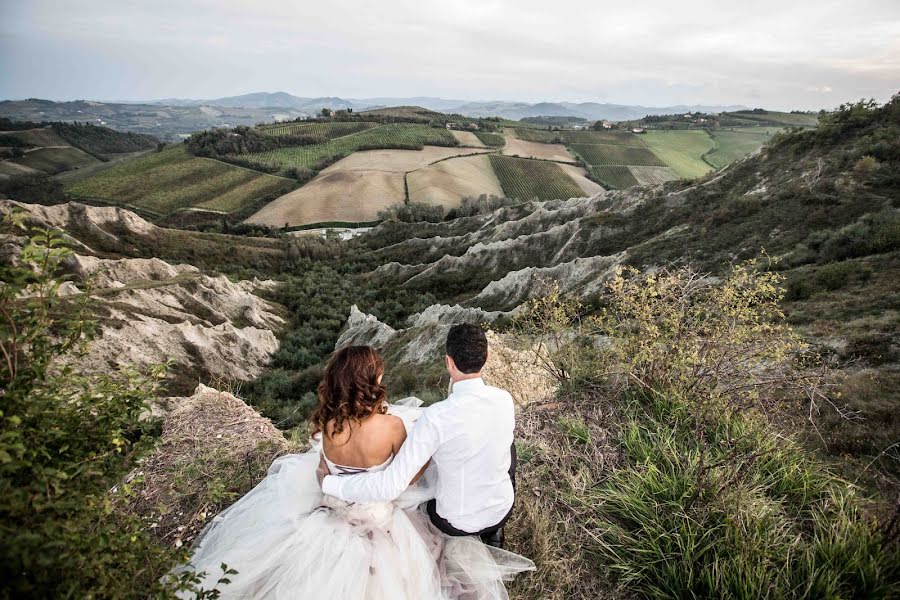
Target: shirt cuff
[[331, 485]]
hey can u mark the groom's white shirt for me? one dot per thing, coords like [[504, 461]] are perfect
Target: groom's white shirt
[[468, 438]]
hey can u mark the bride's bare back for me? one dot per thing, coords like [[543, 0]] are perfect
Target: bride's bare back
[[365, 443]]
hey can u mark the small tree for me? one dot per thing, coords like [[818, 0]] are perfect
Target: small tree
[[65, 438]]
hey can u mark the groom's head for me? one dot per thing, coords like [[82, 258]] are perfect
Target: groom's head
[[467, 351]]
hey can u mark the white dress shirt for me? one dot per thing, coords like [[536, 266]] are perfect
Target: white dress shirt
[[468, 438]]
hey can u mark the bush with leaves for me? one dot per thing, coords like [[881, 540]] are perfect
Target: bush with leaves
[[704, 497], [65, 439]]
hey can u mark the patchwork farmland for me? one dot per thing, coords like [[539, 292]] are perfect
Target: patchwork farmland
[[352, 170], [402, 136]]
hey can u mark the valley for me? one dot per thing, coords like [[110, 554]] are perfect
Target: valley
[[548, 241]]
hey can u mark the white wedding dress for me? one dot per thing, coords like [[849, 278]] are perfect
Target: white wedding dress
[[287, 540]]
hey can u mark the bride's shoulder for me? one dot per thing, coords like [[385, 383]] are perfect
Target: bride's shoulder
[[388, 423]]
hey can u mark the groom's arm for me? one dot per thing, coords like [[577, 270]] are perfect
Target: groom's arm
[[386, 485]]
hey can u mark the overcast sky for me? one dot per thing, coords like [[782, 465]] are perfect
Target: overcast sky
[[784, 54]]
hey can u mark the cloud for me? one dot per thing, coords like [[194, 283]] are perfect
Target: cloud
[[804, 54]]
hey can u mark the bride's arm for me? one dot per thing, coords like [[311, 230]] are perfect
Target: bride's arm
[[386, 485]]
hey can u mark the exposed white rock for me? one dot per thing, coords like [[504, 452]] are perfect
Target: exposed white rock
[[366, 330], [583, 275], [104, 224]]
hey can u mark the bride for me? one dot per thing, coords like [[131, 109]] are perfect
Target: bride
[[287, 540]]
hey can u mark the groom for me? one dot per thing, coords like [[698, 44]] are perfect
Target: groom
[[468, 438]]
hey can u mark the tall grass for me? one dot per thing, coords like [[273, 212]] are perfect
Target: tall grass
[[740, 514]]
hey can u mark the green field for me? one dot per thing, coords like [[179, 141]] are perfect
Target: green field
[[56, 160], [494, 140], [164, 182], [736, 143], [403, 136], [525, 179], [326, 131], [682, 149], [608, 154], [616, 177]]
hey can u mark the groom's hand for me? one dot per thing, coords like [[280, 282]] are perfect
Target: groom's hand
[[321, 470]]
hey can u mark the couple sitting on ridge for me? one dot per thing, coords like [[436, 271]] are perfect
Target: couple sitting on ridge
[[414, 500]]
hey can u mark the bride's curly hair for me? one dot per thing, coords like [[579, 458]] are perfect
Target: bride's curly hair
[[350, 389]]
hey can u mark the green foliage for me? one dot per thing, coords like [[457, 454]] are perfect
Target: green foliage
[[745, 514], [38, 189], [413, 212], [65, 438], [218, 143], [482, 205], [706, 499], [525, 179], [834, 276], [99, 140]]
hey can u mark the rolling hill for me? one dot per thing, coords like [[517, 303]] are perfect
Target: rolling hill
[[353, 165]]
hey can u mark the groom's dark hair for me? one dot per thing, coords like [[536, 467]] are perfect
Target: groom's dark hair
[[467, 346]]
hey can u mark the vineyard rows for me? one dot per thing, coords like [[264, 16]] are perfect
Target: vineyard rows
[[652, 175], [616, 177], [525, 179], [608, 154], [326, 131], [164, 182], [494, 140]]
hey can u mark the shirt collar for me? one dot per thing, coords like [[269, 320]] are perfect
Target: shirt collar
[[468, 385]]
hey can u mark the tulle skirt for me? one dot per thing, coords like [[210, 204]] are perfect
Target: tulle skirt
[[287, 540]]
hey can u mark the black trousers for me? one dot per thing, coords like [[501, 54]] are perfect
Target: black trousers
[[445, 526]]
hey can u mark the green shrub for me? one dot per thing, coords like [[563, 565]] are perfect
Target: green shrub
[[834, 276], [413, 212], [65, 439], [705, 497]]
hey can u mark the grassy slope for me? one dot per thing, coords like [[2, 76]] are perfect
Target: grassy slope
[[734, 144], [167, 181], [56, 160], [682, 150]]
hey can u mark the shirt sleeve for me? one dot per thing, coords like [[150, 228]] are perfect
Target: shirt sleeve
[[386, 485]]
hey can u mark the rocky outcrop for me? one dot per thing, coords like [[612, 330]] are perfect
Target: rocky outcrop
[[208, 432], [583, 276], [149, 311], [90, 229], [365, 330]]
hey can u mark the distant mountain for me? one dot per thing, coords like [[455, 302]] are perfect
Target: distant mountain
[[498, 108]]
